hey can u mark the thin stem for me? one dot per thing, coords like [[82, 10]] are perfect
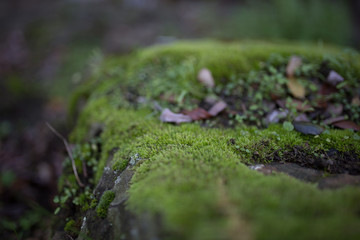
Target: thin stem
[[69, 153]]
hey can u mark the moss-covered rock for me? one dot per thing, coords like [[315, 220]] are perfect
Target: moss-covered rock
[[192, 181]]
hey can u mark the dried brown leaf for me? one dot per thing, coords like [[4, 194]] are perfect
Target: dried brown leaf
[[327, 89], [296, 89], [169, 116], [293, 64], [334, 120], [217, 108], [325, 94], [274, 97], [197, 114], [347, 124]]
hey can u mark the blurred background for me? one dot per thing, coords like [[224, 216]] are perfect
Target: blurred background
[[46, 46]]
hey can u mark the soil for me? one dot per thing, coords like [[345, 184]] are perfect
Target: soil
[[330, 169], [321, 178], [331, 161]]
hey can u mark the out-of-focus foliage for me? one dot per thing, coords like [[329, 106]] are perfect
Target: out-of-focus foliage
[[327, 21]]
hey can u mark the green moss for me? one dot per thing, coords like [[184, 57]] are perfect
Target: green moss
[[93, 203], [275, 206], [121, 164], [196, 177], [106, 199], [226, 59], [71, 227], [190, 159]]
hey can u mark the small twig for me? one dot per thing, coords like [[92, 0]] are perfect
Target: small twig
[[68, 235], [69, 153], [84, 169], [275, 152]]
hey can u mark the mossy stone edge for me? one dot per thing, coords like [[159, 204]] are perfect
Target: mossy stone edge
[[191, 176]]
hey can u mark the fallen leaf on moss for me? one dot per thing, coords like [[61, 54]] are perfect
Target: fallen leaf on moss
[[325, 94], [206, 78], [334, 78], [327, 89], [217, 108], [170, 117], [197, 114], [308, 128], [295, 88], [274, 97], [346, 124], [334, 120], [294, 63]]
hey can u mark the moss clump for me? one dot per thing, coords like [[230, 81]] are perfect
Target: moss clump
[[71, 227], [106, 199], [196, 177], [93, 203]]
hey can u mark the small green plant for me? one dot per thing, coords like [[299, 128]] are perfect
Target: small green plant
[[85, 156], [71, 228], [288, 126], [106, 199]]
